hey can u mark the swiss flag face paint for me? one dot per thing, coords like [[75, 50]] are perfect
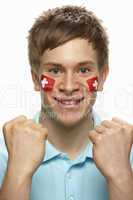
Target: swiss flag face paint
[[93, 84], [47, 83]]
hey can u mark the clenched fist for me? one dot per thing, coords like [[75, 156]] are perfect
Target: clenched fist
[[112, 147], [25, 141]]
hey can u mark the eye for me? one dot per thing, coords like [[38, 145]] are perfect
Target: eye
[[55, 70], [84, 70]]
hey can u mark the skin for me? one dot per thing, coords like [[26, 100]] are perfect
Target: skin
[[69, 82], [112, 142], [23, 139], [112, 139]]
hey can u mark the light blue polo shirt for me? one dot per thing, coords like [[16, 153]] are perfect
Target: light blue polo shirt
[[59, 178]]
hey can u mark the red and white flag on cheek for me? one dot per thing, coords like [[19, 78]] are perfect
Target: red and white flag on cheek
[[47, 83], [93, 84]]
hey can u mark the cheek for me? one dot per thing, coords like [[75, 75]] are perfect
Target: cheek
[[92, 84], [47, 99], [47, 83]]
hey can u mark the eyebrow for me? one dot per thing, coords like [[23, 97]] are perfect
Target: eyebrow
[[80, 63]]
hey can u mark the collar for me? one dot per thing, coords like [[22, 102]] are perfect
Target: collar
[[52, 152], [89, 149]]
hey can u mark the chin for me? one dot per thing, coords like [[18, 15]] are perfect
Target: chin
[[70, 120], [68, 123], [67, 115]]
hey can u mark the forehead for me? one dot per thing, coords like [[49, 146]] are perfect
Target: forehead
[[72, 52]]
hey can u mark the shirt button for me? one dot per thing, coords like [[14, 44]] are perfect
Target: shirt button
[[69, 175], [71, 198], [64, 156]]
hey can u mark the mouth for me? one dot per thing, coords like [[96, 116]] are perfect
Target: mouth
[[69, 102]]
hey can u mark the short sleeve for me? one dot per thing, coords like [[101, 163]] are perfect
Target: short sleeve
[[131, 157], [3, 158]]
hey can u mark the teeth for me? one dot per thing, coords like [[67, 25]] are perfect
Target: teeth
[[68, 102]]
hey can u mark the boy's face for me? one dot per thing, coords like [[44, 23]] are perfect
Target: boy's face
[[70, 66]]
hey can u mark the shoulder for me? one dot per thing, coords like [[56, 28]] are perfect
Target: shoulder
[[3, 149], [36, 117], [131, 157], [3, 158], [97, 119]]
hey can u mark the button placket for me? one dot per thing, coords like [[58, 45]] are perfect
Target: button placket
[[71, 198], [69, 175]]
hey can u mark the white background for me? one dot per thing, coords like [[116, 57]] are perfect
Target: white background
[[17, 95]]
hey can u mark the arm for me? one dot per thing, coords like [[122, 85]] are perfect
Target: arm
[[25, 141], [111, 151], [15, 186], [121, 188]]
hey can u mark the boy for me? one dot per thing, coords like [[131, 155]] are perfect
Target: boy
[[68, 53]]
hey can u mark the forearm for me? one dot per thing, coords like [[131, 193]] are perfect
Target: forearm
[[121, 188], [15, 186]]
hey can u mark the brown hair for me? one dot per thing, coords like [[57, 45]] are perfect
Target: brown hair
[[59, 25]]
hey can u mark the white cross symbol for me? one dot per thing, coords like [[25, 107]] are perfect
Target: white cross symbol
[[44, 82], [95, 84]]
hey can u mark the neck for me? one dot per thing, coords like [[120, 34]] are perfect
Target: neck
[[69, 140]]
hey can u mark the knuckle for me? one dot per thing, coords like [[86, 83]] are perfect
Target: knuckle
[[16, 127], [22, 117], [120, 128], [114, 118], [99, 137], [97, 127], [30, 120], [5, 128], [18, 119], [105, 122], [129, 128], [28, 129], [92, 134], [45, 132]]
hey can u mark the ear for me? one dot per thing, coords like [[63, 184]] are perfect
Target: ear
[[36, 81], [102, 77]]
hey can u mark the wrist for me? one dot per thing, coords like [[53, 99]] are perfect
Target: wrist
[[16, 185], [18, 173], [17, 182], [121, 176]]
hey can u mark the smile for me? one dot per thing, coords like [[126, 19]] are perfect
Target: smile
[[69, 102]]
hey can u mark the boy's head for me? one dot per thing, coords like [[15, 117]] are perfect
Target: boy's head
[[57, 26], [69, 46]]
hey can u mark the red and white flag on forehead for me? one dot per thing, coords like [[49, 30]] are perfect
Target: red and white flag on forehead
[[93, 84], [47, 83]]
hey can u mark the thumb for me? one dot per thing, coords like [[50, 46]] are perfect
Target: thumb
[[93, 136], [45, 133]]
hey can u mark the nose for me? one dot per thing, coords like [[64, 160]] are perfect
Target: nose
[[69, 84]]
